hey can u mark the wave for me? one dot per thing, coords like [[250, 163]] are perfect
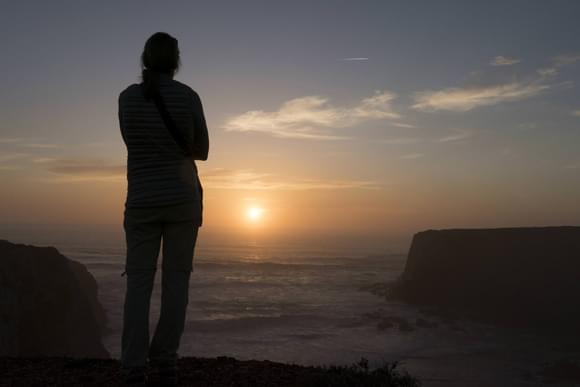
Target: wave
[[258, 322], [294, 265]]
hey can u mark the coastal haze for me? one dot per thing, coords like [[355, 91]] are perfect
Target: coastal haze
[[343, 135]]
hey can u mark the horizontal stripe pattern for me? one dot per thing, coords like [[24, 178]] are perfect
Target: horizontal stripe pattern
[[158, 173]]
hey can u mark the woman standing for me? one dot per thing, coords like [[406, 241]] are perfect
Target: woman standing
[[164, 202]]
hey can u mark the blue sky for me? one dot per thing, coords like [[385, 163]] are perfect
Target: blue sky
[[456, 111]]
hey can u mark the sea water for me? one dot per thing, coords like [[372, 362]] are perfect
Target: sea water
[[307, 305], [262, 302]]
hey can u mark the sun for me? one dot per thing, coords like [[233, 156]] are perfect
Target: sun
[[254, 213]]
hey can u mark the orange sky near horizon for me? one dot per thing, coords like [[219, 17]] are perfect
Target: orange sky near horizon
[[369, 121]]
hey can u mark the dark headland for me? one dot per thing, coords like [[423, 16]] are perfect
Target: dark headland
[[526, 278], [48, 304]]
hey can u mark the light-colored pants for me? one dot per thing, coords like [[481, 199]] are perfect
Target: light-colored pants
[[144, 228]]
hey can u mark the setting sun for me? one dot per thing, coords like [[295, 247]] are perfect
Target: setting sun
[[254, 213]]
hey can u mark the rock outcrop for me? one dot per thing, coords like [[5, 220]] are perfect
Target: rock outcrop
[[527, 278], [48, 305]]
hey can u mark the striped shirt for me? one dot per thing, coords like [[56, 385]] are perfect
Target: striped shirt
[[158, 173]]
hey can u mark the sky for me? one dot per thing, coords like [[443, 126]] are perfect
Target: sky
[[369, 119]]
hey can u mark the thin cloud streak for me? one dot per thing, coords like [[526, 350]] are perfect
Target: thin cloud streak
[[461, 135], [547, 72], [465, 99], [355, 59], [9, 167], [558, 62], [566, 59], [73, 170], [401, 140], [33, 142], [40, 145], [221, 178], [10, 140], [571, 166], [403, 125], [412, 156], [12, 156], [90, 170], [44, 160], [504, 61], [312, 117]]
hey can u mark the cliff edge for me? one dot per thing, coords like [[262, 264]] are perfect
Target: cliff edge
[[524, 277], [48, 305]]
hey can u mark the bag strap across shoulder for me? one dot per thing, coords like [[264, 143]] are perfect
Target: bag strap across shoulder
[[170, 124], [175, 133]]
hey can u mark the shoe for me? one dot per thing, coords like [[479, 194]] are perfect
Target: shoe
[[134, 377], [163, 375]]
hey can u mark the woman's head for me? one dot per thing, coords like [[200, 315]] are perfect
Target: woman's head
[[160, 55]]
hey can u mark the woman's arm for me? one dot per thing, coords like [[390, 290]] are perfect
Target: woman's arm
[[200, 134]]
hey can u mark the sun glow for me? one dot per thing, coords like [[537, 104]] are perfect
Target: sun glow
[[254, 213]]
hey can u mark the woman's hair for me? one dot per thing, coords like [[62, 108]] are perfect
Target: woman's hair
[[160, 55]]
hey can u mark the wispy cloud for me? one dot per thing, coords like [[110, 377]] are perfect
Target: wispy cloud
[[566, 59], [504, 61], [12, 156], [465, 99], [10, 167], [221, 178], [403, 125], [557, 62], [457, 135], [31, 142], [312, 117], [400, 140], [460, 134], [572, 166], [411, 156], [40, 145], [355, 59], [9, 140], [548, 72], [72, 170], [43, 160]]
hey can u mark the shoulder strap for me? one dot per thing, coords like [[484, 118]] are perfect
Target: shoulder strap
[[175, 133], [170, 124]]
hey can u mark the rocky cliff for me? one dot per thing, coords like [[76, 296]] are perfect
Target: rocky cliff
[[48, 305], [528, 277]]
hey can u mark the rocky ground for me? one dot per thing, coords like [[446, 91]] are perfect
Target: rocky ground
[[222, 371]]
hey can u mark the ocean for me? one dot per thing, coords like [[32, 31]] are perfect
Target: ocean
[[309, 306], [257, 302]]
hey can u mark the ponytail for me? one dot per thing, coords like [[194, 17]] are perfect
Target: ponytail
[[150, 84], [160, 55]]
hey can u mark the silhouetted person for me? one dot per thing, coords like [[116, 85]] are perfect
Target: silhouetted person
[[164, 202]]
